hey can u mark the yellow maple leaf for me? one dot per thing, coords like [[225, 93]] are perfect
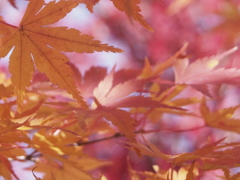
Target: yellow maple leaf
[[32, 40], [54, 143]]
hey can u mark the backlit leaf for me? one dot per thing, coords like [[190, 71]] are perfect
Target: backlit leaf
[[205, 71], [32, 40]]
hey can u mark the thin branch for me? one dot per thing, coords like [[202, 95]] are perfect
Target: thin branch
[[35, 154], [98, 140], [137, 132]]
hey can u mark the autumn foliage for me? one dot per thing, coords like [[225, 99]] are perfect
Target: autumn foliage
[[170, 112]]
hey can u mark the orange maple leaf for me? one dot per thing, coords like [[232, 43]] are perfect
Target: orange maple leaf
[[32, 40], [131, 8], [122, 119], [149, 71]]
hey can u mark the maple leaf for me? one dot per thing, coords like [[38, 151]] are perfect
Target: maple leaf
[[107, 93], [221, 118], [32, 40], [170, 102], [149, 71], [85, 118], [122, 119], [108, 98], [205, 71], [131, 8], [123, 75]]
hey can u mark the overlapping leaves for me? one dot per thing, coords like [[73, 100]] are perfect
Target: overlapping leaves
[[34, 42], [61, 128]]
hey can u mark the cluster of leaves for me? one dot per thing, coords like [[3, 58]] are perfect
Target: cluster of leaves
[[51, 115]]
